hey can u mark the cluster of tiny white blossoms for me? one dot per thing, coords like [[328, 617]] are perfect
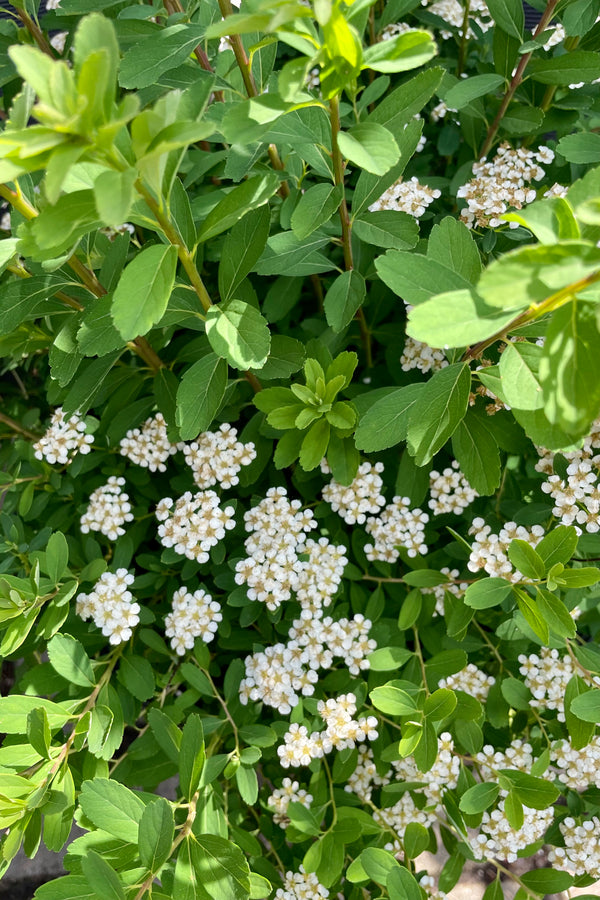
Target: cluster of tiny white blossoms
[[279, 674], [397, 526], [108, 510], [499, 839], [503, 182], [452, 12], [471, 680], [439, 590], [576, 497], [280, 799], [518, 755], [365, 776], [577, 768], [364, 495], [193, 616], [301, 886], [441, 110], [410, 197], [64, 438], [149, 445], [450, 491], [557, 190], [399, 816], [581, 853], [216, 457], [193, 524], [417, 355], [490, 551], [341, 732], [110, 606], [427, 883], [547, 677]]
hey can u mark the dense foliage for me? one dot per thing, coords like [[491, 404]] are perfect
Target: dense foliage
[[299, 470]]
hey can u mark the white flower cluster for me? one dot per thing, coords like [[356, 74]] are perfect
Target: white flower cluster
[[193, 524], [397, 526], [547, 677], [192, 616], [500, 840], [216, 457], [64, 438], [149, 445], [578, 769], [440, 589], [365, 776], [280, 799], [471, 680], [301, 886], [581, 853], [450, 491], [277, 675], [109, 508], [393, 30], [410, 197], [417, 355], [489, 551], [576, 497], [502, 183], [427, 882], [518, 755], [342, 731], [354, 501], [557, 190], [110, 606], [452, 12], [399, 816]]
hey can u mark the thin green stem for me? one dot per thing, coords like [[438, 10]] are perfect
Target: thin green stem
[[18, 429], [464, 40]]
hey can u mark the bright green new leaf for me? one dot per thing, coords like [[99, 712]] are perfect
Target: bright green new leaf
[[238, 333], [113, 193], [519, 368], [550, 220], [455, 319], [417, 278], [370, 146], [314, 445], [401, 53], [392, 701], [141, 296]]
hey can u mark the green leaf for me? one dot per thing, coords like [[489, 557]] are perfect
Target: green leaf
[[69, 887], [533, 614], [401, 53], [136, 674], [112, 807], [247, 784], [550, 220], [547, 881], [416, 840], [386, 422], [417, 278], [509, 16], [69, 659], [513, 809], [220, 867], [238, 333], [558, 546], [402, 884], [579, 578], [519, 367], [15, 709], [580, 732], [476, 450], [286, 356], [28, 298], [531, 791], [90, 378], [388, 659], [392, 701], [101, 877], [57, 556], [97, 335], [478, 798], [487, 592], [38, 731], [141, 296], [524, 558], [315, 207], [344, 298], [580, 148], [260, 887], [370, 187], [191, 756], [455, 319], [452, 245], [156, 830], [438, 411], [314, 445], [242, 248], [440, 704], [145, 62], [249, 195], [286, 255], [113, 193], [387, 228], [370, 146], [469, 89], [571, 68], [378, 864], [199, 395], [57, 228]]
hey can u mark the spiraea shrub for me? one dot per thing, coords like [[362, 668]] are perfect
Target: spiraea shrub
[[300, 460]]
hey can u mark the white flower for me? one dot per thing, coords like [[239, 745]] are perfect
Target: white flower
[[193, 524], [450, 491], [216, 457], [110, 605], [410, 197], [149, 445], [192, 616], [63, 439], [109, 508]]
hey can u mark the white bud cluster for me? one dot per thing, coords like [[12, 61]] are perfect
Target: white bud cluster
[[193, 616], [216, 457], [280, 799], [518, 755], [577, 498], [108, 510], [110, 606], [352, 502], [502, 183], [149, 445], [64, 438], [277, 675], [450, 491], [452, 12], [417, 355], [301, 886], [547, 677], [581, 853], [578, 769], [410, 197], [441, 111], [500, 840], [342, 732], [193, 524], [471, 680], [397, 526], [440, 589], [490, 551]]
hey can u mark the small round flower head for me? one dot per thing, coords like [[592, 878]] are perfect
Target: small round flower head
[[441, 111], [499, 839], [450, 491], [471, 680], [409, 196], [193, 524], [110, 606], [149, 445], [364, 495], [193, 616], [365, 776], [216, 457], [280, 799], [63, 439], [301, 886], [518, 755], [452, 12], [490, 551], [397, 526], [581, 853], [547, 677], [399, 816], [109, 508], [417, 355], [578, 769]]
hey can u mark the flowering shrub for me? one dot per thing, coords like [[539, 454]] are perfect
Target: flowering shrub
[[300, 466]]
